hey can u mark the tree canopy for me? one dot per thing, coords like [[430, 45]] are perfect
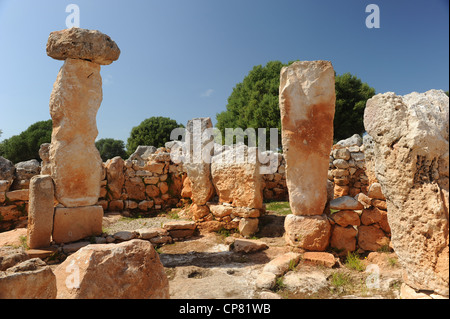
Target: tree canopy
[[351, 97], [154, 131], [109, 148], [25, 146], [254, 102]]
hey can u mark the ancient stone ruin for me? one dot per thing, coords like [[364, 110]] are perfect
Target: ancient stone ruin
[[385, 191], [74, 161], [410, 158], [307, 98]]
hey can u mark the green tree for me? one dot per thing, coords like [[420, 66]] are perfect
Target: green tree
[[154, 131], [25, 146], [351, 97], [254, 102], [109, 148]]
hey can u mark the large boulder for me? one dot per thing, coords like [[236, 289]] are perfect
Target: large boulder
[[410, 158], [307, 102], [129, 270], [31, 279], [24, 172], [7, 170], [77, 43]]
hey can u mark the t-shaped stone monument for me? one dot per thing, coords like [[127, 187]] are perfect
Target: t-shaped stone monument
[[75, 162]]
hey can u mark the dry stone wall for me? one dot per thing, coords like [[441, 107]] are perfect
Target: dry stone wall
[[347, 167], [142, 185], [150, 182]]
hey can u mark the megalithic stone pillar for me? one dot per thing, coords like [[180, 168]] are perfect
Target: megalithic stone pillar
[[75, 163], [307, 103], [198, 166], [74, 102]]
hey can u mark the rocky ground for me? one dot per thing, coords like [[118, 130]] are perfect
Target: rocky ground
[[206, 267], [225, 265]]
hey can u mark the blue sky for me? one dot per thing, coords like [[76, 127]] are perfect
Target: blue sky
[[182, 58]]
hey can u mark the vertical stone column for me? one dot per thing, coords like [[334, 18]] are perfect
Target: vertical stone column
[[75, 163], [198, 165], [40, 211], [307, 102]]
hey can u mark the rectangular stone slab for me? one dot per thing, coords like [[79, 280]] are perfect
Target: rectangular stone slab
[[40, 211], [74, 223], [307, 102]]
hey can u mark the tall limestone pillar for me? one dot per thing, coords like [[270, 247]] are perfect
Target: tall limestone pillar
[[307, 103], [75, 162]]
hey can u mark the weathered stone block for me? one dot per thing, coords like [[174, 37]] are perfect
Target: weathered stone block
[[40, 211], [74, 223]]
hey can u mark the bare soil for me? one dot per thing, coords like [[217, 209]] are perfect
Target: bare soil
[[204, 267]]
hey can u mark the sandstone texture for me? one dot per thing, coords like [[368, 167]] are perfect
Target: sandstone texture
[[40, 212], [31, 279], [202, 188], [76, 165], [74, 223], [307, 232], [307, 102], [115, 176], [236, 177], [77, 43], [129, 270], [411, 163], [198, 159], [44, 154], [7, 170]]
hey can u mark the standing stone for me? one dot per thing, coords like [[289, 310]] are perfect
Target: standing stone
[[411, 162], [238, 182], [307, 101], [115, 176], [40, 211], [198, 166], [76, 164], [202, 189]]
